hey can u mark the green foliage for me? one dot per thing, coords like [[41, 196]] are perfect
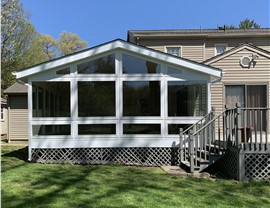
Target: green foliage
[[17, 35], [36, 185], [248, 24], [244, 24], [69, 43], [22, 46]]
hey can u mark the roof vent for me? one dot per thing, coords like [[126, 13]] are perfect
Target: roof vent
[[245, 61]]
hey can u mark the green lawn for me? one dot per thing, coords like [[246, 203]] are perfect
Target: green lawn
[[27, 184]]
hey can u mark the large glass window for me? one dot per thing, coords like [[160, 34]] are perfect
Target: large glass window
[[250, 96], [141, 98], [104, 65], [141, 129], [186, 98], [134, 65], [51, 99], [96, 98], [94, 129], [42, 130]]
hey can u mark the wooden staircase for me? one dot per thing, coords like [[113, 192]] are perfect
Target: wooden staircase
[[199, 147]]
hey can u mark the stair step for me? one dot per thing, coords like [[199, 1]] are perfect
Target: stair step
[[186, 164]]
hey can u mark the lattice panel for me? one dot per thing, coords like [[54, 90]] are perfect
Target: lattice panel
[[228, 164], [257, 166], [129, 156]]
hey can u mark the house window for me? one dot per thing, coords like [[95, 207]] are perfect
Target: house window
[[186, 98], [104, 65], [249, 96], [174, 128], [141, 129], [135, 65], [63, 71], [141, 98], [176, 51], [220, 48], [51, 99], [42, 130], [2, 113], [96, 129], [96, 98]]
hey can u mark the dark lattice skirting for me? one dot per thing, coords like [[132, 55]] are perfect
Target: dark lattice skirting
[[245, 165], [257, 166], [228, 164], [154, 156]]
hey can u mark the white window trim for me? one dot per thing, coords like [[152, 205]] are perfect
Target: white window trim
[[174, 46], [220, 44]]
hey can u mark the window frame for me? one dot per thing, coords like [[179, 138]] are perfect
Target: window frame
[[174, 46], [220, 44], [266, 85]]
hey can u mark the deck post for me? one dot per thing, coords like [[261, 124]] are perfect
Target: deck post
[[238, 125], [241, 165], [213, 131], [191, 150], [181, 145]]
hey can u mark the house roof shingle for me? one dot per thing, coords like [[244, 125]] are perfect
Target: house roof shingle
[[16, 88], [204, 33]]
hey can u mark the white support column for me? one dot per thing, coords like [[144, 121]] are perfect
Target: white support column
[[209, 97], [74, 106], [30, 104], [118, 91]]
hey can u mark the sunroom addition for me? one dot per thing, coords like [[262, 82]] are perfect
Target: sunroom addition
[[115, 95]]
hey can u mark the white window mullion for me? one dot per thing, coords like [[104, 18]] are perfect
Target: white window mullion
[[119, 93]]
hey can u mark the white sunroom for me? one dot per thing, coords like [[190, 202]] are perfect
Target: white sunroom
[[114, 97]]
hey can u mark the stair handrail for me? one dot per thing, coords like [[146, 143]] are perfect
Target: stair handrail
[[200, 121], [183, 134]]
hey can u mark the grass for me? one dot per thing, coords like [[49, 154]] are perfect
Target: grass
[[27, 184]]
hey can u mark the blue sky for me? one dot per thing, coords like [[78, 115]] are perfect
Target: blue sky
[[99, 21]]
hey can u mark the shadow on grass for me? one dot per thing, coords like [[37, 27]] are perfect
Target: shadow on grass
[[21, 154], [108, 186]]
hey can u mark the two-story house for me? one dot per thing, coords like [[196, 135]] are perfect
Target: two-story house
[[243, 55]]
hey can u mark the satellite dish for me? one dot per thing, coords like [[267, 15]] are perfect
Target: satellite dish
[[245, 61]]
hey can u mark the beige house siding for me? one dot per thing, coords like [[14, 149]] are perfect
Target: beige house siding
[[18, 117], [262, 43], [192, 49], [235, 74]]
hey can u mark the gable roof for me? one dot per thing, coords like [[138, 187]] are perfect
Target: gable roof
[[235, 50], [119, 44], [16, 88]]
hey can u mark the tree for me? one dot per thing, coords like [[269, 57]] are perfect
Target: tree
[[244, 24], [48, 45], [69, 43], [248, 24], [22, 46], [17, 35]]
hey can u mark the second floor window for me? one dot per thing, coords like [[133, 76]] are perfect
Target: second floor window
[[220, 48], [176, 51]]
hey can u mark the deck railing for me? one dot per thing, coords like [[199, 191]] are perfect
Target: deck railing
[[243, 128], [247, 128]]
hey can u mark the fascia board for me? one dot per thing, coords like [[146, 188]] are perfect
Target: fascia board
[[114, 46], [172, 60], [233, 51]]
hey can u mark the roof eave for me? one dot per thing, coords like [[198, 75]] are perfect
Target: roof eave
[[115, 45]]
